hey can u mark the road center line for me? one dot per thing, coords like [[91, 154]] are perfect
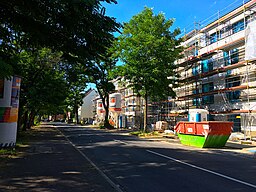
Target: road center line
[[203, 169]]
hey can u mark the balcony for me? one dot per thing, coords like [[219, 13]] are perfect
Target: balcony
[[224, 43]]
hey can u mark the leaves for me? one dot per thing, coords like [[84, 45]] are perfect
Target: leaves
[[148, 48], [77, 28]]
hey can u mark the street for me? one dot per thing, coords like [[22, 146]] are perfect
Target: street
[[131, 164]]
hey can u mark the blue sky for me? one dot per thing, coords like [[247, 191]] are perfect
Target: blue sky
[[185, 12]]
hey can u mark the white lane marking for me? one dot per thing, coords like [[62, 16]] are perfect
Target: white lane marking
[[115, 186], [119, 141], [203, 169]]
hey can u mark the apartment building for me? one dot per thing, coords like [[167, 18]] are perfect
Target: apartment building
[[218, 70], [131, 104], [132, 107]]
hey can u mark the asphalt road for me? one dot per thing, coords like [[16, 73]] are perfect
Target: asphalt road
[[136, 165]]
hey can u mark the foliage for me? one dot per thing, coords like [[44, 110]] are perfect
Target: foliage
[[49, 43], [145, 134], [43, 86], [77, 28], [76, 79], [148, 49], [102, 127], [100, 75]]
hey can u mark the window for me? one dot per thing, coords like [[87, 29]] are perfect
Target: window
[[237, 122], [231, 57], [207, 87], [226, 58], [228, 72], [232, 82], [196, 70], [195, 52], [234, 56], [196, 102], [195, 91], [238, 26], [214, 37], [209, 99], [225, 31], [233, 96], [207, 65]]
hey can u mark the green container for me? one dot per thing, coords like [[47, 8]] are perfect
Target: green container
[[201, 141]]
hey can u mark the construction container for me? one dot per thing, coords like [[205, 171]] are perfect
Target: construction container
[[204, 134]]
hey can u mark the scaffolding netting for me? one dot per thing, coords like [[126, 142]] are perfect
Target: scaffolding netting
[[250, 41]]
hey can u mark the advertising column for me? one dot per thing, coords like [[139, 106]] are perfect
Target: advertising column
[[9, 104]]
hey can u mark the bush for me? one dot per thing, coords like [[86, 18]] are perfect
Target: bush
[[146, 134]]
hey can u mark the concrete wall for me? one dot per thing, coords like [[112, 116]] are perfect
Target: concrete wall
[[88, 105]]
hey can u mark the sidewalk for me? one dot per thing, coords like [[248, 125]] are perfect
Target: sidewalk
[[50, 163], [249, 149]]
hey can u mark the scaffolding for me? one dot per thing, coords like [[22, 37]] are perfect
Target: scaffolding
[[215, 74]]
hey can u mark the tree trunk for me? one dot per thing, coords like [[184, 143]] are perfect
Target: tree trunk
[[76, 114], [25, 121], [106, 120], [20, 119], [31, 119], [145, 113], [106, 107]]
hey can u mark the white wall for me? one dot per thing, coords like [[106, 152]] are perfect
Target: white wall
[[88, 105]]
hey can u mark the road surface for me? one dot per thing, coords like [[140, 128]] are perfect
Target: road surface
[[135, 165]]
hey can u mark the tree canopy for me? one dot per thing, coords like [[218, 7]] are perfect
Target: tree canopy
[[44, 86], [77, 28], [52, 45], [148, 49], [101, 76]]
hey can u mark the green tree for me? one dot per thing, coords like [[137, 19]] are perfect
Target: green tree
[[101, 75], [76, 78], [43, 86], [77, 28], [148, 49]]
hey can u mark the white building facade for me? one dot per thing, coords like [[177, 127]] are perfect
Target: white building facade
[[87, 110], [218, 69]]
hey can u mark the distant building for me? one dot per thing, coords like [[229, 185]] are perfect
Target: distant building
[[131, 110], [126, 107], [87, 112]]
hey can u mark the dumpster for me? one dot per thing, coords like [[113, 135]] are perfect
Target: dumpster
[[204, 134]]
